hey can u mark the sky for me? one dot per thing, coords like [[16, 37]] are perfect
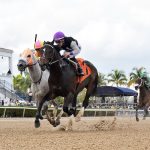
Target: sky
[[114, 34]]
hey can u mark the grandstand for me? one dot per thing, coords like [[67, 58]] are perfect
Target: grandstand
[[6, 78]]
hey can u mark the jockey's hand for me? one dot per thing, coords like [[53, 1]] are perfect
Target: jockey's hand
[[67, 54]]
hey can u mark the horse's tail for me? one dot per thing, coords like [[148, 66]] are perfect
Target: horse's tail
[[96, 84], [94, 75]]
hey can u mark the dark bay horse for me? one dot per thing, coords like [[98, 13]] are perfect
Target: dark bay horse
[[63, 81], [144, 96]]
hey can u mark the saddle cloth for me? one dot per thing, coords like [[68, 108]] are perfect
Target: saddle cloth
[[86, 69]]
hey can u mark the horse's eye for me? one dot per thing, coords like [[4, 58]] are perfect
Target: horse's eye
[[43, 49], [29, 56]]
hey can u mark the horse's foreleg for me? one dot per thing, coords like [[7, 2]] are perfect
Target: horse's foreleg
[[52, 115], [45, 109], [55, 109], [57, 122], [50, 118], [38, 114]]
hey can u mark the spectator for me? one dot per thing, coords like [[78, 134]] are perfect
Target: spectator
[[2, 102], [9, 72], [29, 94]]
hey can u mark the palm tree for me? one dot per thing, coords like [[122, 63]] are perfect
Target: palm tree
[[136, 73], [21, 83], [102, 80], [118, 77]]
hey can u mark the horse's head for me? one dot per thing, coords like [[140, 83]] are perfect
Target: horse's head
[[50, 52], [27, 59], [140, 82]]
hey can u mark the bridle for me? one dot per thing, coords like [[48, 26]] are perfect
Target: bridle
[[53, 54], [22, 68], [32, 64], [140, 84]]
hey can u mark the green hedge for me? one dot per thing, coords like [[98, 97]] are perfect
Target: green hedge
[[30, 112], [1, 111], [11, 112]]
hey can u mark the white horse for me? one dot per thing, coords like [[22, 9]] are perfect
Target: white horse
[[40, 87]]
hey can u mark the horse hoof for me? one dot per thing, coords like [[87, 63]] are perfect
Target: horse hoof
[[37, 123], [144, 118], [52, 122], [68, 129], [77, 119], [137, 119], [57, 122], [59, 128], [41, 117], [62, 127], [44, 117]]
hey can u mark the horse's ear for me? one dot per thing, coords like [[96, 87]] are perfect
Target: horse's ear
[[144, 78]]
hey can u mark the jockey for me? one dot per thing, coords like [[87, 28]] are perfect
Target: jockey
[[71, 47], [37, 46]]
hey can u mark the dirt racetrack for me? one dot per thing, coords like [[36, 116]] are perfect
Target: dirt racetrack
[[100, 133]]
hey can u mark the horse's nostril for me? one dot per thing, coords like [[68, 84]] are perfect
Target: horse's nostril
[[136, 87], [20, 65]]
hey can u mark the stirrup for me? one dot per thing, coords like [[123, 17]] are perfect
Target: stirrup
[[80, 73]]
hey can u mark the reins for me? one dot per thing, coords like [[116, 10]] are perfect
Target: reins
[[39, 78], [53, 62], [40, 75], [31, 65]]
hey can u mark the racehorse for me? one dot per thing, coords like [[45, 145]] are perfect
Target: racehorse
[[144, 95], [64, 81], [40, 88]]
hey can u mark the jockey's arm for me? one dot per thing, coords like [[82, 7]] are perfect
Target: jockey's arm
[[76, 49]]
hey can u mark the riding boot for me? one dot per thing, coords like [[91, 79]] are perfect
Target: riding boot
[[79, 69]]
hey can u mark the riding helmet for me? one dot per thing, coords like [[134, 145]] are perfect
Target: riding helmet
[[38, 44], [58, 36]]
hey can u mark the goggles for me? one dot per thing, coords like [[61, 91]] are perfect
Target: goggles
[[59, 41]]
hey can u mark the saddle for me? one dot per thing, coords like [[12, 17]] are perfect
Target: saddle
[[86, 69]]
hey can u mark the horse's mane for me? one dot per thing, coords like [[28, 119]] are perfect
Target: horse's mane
[[146, 79], [56, 49]]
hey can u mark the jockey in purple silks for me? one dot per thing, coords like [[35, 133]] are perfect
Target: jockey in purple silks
[[71, 47]]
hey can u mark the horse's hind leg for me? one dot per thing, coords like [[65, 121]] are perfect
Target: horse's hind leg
[[84, 105], [145, 112], [136, 114], [91, 87], [70, 99], [72, 113]]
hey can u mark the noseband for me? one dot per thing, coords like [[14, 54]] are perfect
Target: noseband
[[31, 65]]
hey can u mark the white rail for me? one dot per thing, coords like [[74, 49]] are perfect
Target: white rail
[[88, 112]]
